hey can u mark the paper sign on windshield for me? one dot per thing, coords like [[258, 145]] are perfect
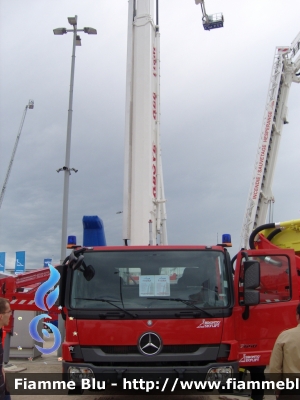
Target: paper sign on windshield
[[154, 285]]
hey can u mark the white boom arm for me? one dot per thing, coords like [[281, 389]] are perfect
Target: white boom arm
[[260, 197], [30, 106], [143, 181]]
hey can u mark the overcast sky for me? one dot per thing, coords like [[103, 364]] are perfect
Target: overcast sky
[[213, 94]]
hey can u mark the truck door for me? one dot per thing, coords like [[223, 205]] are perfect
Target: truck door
[[257, 331]]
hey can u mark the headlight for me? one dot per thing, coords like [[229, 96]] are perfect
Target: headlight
[[219, 373], [78, 373]]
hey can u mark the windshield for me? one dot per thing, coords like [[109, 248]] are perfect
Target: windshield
[[164, 279]]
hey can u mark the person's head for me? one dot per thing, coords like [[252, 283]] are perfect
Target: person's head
[[5, 312], [298, 313]]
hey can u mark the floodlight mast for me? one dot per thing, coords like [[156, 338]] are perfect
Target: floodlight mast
[[29, 106], [66, 168]]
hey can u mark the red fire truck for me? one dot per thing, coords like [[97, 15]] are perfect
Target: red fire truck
[[155, 310], [126, 318]]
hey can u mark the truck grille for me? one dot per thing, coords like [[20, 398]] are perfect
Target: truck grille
[[171, 349]]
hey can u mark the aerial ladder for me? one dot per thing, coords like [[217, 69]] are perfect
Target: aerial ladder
[[211, 21], [144, 204], [285, 70], [144, 208], [30, 107]]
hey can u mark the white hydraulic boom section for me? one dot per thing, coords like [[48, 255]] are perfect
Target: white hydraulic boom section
[[284, 72], [144, 211], [30, 106]]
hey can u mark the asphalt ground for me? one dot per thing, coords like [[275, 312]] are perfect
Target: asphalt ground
[[52, 364]]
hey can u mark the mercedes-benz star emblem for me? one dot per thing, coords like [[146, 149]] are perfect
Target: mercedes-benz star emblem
[[150, 344]]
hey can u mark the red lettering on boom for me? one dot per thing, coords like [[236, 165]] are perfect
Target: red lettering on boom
[[154, 61], [154, 157], [154, 112]]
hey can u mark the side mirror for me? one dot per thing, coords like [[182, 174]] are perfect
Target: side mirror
[[75, 262], [251, 282], [89, 272]]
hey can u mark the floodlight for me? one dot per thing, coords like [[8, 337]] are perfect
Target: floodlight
[[90, 31], [72, 20], [78, 40], [59, 31]]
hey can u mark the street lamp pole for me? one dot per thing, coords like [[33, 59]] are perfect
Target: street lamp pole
[[66, 168], [67, 172]]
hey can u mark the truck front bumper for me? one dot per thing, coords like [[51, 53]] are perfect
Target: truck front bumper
[[117, 375]]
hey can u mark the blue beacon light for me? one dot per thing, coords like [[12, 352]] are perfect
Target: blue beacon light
[[226, 240], [71, 242]]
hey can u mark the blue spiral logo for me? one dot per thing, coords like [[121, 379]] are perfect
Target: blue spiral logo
[[44, 293]]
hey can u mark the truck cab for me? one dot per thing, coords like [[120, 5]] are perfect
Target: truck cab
[[151, 311], [174, 311]]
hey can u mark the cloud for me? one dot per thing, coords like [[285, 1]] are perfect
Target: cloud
[[213, 92]]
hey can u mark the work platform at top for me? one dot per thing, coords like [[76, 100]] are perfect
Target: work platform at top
[[212, 21]]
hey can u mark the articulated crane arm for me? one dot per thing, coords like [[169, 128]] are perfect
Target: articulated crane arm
[[284, 72], [20, 290], [30, 106]]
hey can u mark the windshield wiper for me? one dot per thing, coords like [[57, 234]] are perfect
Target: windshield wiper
[[109, 302], [185, 301]]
